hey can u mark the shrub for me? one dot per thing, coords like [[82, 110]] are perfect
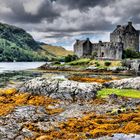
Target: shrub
[[107, 63], [56, 63], [53, 59], [129, 53], [70, 58], [97, 64], [61, 59]]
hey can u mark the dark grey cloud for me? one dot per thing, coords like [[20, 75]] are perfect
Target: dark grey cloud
[[83, 4], [19, 13], [65, 17], [56, 13], [68, 35]]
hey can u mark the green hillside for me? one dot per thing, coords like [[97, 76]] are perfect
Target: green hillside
[[18, 36], [18, 45], [11, 52]]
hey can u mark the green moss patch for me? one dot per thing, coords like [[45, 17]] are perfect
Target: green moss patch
[[121, 92]]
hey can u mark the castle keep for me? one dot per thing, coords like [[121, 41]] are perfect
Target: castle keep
[[122, 38]]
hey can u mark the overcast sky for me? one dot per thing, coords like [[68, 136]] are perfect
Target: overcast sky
[[60, 22]]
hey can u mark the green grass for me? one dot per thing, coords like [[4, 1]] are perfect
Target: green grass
[[102, 63], [121, 92], [87, 61], [79, 62]]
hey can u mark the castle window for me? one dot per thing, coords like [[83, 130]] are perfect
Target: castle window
[[139, 68], [102, 55]]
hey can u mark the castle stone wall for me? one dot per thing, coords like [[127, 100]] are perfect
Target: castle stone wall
[[109, 50], [87, 47], [83, 48], [78, 49], [127, 35], [131, 42]]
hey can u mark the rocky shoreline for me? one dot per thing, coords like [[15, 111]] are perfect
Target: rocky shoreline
[[87, 68], [68, 89], [41, 106]]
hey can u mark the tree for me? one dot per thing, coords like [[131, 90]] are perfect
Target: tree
[[129, 53], [70, 58]]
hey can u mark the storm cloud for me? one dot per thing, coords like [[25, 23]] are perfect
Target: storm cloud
[[66, 18], [83, 4]]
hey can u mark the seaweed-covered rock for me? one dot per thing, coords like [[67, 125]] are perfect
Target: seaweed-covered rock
[[128, 83], [61, 89]]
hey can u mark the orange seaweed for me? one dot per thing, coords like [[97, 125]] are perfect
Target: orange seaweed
[[10, 98], [93, 126], [90, 79]]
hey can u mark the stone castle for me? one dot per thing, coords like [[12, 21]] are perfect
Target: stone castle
[[122, 38]]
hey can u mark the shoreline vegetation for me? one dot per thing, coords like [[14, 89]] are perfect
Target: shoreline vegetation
[[85, 65]]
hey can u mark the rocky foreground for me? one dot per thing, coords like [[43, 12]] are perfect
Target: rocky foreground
[[72, 90], [46, 108]]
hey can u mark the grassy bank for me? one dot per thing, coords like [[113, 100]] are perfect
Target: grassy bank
[[120, 92], [96, 63], [84, 61]]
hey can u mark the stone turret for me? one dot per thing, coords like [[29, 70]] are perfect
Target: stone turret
[[83, 48], [128, 35]]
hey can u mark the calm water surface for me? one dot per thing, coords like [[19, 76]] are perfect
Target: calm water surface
[[17, 66]]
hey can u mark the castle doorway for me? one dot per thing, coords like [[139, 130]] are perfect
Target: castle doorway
[[139, 68], [102, 55]]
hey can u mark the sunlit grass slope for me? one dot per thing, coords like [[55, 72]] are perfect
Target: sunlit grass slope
[[57, 51]]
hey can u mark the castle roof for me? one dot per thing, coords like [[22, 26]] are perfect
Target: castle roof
[[119, 29], [125, 29], [81, 42]]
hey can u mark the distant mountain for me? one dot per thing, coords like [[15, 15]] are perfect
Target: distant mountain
[[18, 45], [57, 50]]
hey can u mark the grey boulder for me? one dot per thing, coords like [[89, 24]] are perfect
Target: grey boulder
[[127, 83], [61, 89]]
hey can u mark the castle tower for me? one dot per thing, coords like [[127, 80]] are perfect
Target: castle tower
[[128, 35], [83, 48]]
